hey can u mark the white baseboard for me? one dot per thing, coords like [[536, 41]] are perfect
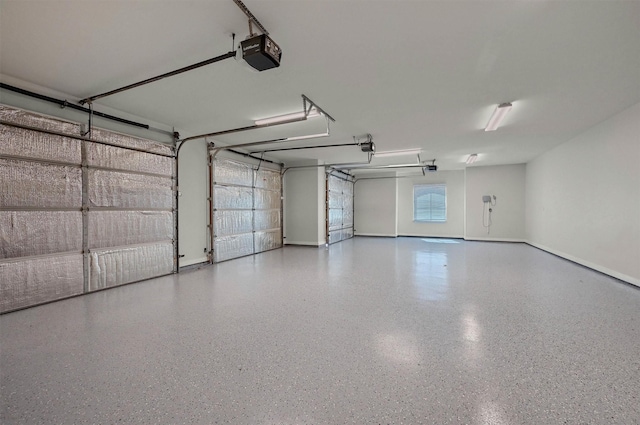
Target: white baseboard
[[184, 263], [380, 235], [589, 264], [496, 240], [432, 236], [304, 243]]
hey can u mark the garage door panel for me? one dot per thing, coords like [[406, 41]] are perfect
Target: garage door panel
[[348, 190], [29, 233], [335, 200], [267, 240], [29, 281], [335, 218], [268, 179], [118, 228], [117, 266], [247, 218], [128, 141], [233, 197], [20, 116], [266, 199], [124, 159], [339, 209], [335, 236], [31, 184], [125, 190], [233, 246], [123, 221], [30, 144], [233, 172], [347, 218], [267, 219], [347, 202], [233, 222]]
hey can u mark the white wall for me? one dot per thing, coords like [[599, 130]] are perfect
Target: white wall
[[454, 227], [583, 198], [192, 203], [304, 206], [376, 207], [507, 183]]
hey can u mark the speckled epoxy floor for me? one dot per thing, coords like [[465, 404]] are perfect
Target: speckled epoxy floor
[[368, 331]]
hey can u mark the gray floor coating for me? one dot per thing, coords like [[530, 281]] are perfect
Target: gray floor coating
[[368, 331]]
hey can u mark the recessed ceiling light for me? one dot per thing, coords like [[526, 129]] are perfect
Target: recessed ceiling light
[[472, 158], [497, 116]]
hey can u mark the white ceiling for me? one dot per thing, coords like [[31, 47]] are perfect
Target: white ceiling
[[414, 74]]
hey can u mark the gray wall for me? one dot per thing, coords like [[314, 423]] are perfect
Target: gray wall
[[376, 207], [304, 206], [192, 203], [507, 183]]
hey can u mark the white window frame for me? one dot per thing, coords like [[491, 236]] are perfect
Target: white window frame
[[432, 186]]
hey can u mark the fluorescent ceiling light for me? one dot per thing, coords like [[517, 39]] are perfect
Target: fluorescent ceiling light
[[497, 116], [472, 158], [404, 152], [288, 117], [308, 136]]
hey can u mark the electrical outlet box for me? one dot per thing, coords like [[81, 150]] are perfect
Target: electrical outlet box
[[486, 198]]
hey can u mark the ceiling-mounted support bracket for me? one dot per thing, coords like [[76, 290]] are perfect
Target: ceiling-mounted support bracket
[[305, 101], [90, 127], [251, 17], [313, 105]]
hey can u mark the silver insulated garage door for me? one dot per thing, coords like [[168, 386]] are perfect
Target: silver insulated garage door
[[247, 209], [76, 215], [339, 209]]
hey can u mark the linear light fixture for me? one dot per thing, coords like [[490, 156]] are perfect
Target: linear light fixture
[[403, 152], [497, 116], [305, 137], [472, 158], [288, 117]]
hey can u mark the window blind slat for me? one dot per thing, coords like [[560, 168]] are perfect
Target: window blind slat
[[430, 203]]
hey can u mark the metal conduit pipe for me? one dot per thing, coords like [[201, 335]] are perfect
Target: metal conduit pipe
[[313, 166], [387, 177], [65, 104], [306, 147], [255, 157], [382, 167], [247, 128], [227, 55], [87, 139], [355, 164]]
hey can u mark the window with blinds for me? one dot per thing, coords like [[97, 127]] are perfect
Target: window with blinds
[[430, 203]]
